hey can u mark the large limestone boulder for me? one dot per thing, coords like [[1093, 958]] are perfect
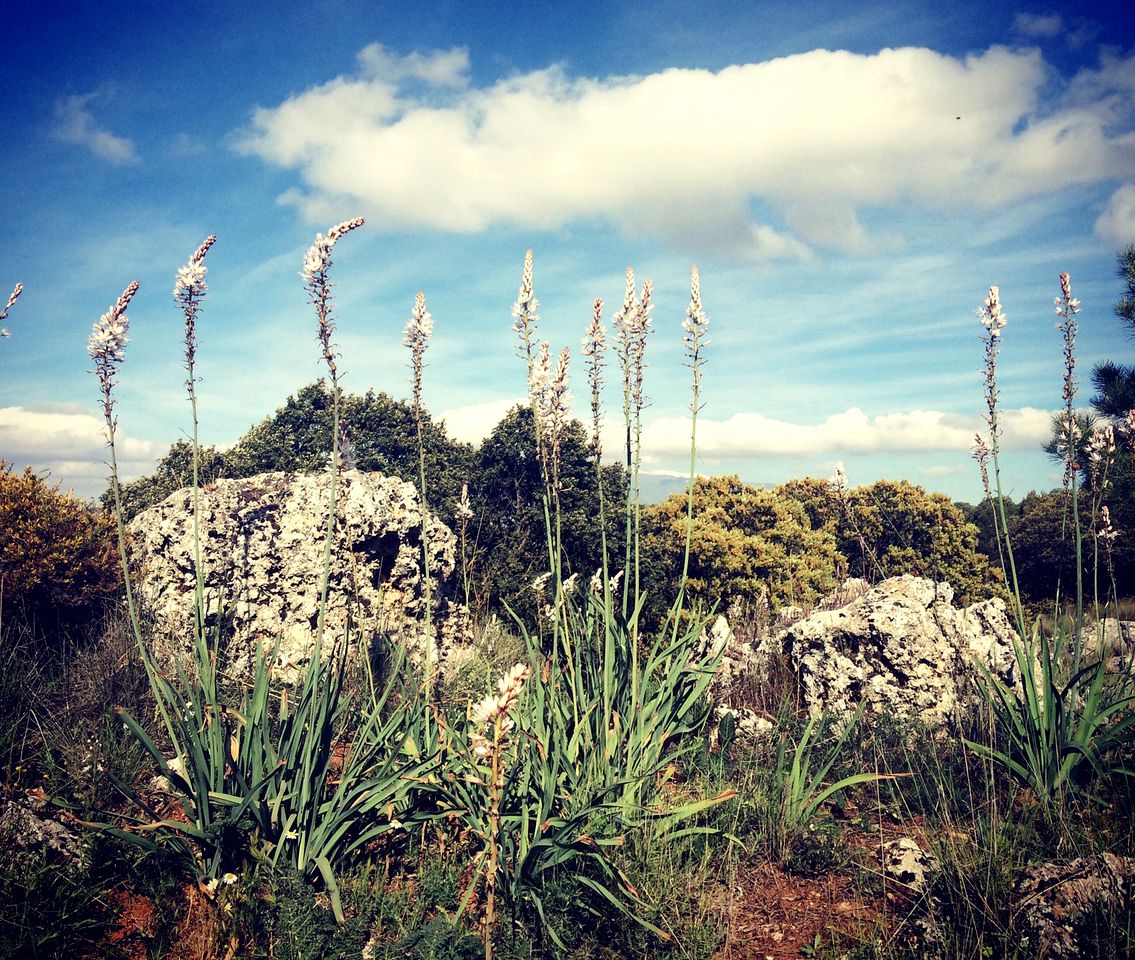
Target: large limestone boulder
[[262, 548], [903, 647]]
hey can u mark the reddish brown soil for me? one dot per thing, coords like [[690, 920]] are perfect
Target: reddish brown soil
[[773, 915], [135, 924]]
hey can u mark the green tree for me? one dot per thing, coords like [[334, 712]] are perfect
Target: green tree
[[381, 437], [508, 528], [174, 471]]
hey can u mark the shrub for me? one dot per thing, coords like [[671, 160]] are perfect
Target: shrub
[[57, 556], [893, 527], [744, 541]]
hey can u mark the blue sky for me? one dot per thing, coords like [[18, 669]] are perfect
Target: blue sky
[[849, 178]]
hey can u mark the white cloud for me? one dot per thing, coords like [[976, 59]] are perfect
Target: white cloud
[[852, 431], [70, 443], [472, 423], [440, 68], [1042, 26], [1116, 224], [75, 124], [812, 139]]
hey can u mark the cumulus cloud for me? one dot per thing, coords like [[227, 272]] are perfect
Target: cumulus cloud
[[75, 124], [69, 443], [472, 423], [1116, 224], [810, 140], [852, 431]]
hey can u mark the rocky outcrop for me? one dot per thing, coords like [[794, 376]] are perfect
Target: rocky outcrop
[[262, 550], [1062, 908], [732, 681], [901, 646]]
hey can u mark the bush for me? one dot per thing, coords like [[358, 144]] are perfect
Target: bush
[[58, 558], [745, 541]]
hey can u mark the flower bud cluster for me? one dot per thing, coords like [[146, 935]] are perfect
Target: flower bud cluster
[[15, 295], [1105, 532], [993, 319], [491, 715], [1066, 308], [416, 335], [107, 346]]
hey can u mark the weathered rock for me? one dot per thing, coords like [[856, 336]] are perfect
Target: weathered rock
[[1059, 903], [29, 833], [750, 727], [1109, 636], [901, 646], [905, 862], [733, 682], [262, 548]]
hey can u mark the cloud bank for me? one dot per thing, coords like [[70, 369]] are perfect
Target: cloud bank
[[810, 140], [71, 445], [747, 435]]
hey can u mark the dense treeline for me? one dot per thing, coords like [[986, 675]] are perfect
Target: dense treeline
[[785, 546]]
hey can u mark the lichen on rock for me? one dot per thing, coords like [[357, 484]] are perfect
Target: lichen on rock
[[262, 550]]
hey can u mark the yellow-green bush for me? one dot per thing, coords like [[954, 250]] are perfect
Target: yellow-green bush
[[744, 540], [56, 553]]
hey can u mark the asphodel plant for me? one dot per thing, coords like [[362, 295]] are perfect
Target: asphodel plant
[[1061, 735], [287, 772], [596, 728]]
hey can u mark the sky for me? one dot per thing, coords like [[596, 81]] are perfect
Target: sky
[[849, 179]]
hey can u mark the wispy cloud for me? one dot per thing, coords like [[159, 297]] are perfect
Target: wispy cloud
[[74, 123], [812, 140], [1041, 26], [441, 68], [746, 435]]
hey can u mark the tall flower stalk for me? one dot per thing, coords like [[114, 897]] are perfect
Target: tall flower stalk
[[463, 514], [1067, 307], [492, 727], [316, 275], [537, 358], [992, 317], [416, 336], [189, 290], [632, 326], [107, 348], [12, 298], [694, 340], [593, 346]]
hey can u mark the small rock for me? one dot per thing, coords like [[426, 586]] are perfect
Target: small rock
[[29, 833], [905, 862]]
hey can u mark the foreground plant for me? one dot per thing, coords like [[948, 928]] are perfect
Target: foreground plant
[[1061, 734], [800, 784], [300, 776], [578, 764]]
